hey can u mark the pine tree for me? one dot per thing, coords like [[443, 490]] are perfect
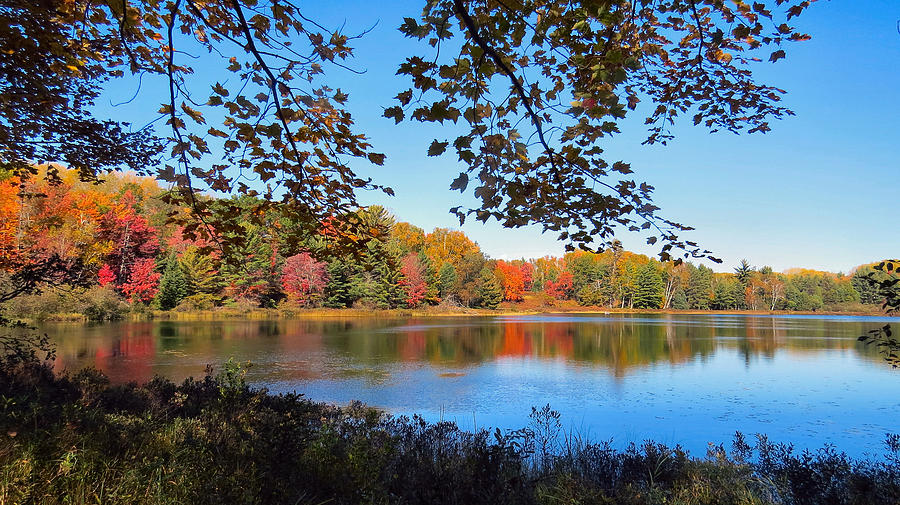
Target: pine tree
[[489, 290], [199, 272], [649, 288], [699, 291], [743, 272], [679, 300], [172, 286], [448, 280], [338, 289], [388, 292]]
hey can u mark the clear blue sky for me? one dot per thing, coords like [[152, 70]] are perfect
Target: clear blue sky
[[819, 191]]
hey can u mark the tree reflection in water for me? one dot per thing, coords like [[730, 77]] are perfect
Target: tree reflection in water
[[303, 349]]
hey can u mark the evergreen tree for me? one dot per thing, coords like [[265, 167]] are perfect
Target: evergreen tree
[[867, 290], [432, 280], [172, 286], [338, 290], [448, 279], [699, 292], [726, 295], [200, 272], [679, 300], [490, 291], [648, 287], [743, 272], [387, 292]]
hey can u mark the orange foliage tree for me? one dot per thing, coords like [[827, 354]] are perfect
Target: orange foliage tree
[[511, 280]]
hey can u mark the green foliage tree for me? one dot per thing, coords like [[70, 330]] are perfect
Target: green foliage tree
[[489, 290], [744, 272], [200, 272], [700, 291], [338, 290], [679, 300], [448, 280], [649, 287], [173, 287]]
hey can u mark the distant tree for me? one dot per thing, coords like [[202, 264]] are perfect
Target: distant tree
[[511, 280], [649, 287], [527, 269], [700, 290], [143, 281], [131, 238], [172, 285], [338, 289], [303, 279], [562, 288], [679, 300], [743, 272], [106, 275], [448, 280], [489, 290], [468, 281], [675, 277], [591, 295], [412, 280], [200, 271]]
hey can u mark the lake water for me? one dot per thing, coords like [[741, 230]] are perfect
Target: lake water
[[685, 379]]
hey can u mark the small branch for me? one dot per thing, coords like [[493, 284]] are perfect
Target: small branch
[[520, 91]]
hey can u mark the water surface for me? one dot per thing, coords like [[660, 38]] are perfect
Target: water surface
[[685, 379]]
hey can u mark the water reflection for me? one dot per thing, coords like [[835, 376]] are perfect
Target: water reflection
[[307, 349], [677, 379]]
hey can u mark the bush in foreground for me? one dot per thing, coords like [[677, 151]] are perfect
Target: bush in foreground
[[78, 439]]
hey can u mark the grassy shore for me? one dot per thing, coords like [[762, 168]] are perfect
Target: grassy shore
[[506, 309]]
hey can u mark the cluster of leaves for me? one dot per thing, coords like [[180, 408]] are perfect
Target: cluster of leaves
[[281, 128], [541, 84], [884, 279], [216, 440], [52, 64]]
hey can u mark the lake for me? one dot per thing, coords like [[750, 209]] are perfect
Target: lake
[[672, 378]]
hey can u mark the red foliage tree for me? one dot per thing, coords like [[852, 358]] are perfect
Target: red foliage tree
[[106, 275], [304, 279], [412, 280], [511, 280], [131, 237], [143, 281], [527, 275], [561, 289]]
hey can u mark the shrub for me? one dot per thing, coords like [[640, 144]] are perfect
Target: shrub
[[202, 301]]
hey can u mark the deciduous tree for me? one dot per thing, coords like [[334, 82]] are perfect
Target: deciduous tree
[[303, 279]]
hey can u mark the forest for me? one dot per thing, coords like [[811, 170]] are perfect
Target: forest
[[123, 252]]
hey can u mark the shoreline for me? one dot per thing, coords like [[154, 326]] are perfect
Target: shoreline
[[224, 314]]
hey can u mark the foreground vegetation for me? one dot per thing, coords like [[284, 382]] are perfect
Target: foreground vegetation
[[78, 439]]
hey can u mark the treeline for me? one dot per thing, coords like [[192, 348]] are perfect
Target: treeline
[[118, 236]]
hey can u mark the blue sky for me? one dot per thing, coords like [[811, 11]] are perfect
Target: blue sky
[[819, 191]]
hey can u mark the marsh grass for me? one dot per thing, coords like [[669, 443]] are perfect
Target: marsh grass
[[76, 439]]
